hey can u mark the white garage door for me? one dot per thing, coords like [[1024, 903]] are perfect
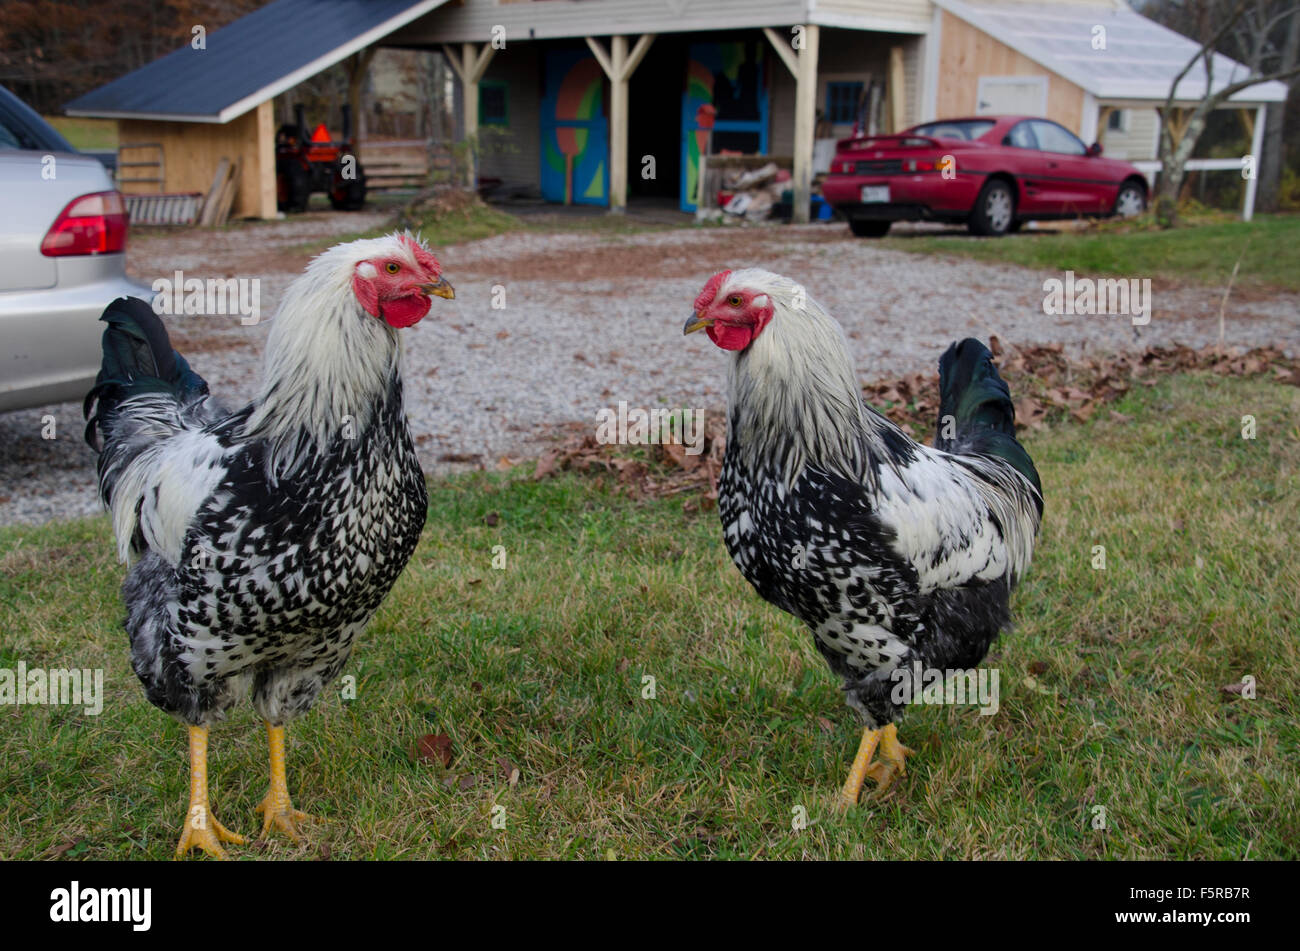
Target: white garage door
[[1012, 96]]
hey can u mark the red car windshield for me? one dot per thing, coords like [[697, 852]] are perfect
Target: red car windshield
[[966, 130]]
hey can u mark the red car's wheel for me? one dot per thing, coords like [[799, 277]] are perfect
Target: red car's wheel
[[1131, 200], [994, 211]]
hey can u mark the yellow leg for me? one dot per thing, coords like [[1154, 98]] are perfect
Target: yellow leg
[[892, 763], [202, 830], [858, 772], [276, 807]]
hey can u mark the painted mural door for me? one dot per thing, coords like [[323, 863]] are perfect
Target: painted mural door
[[728, 76], [574, 130]]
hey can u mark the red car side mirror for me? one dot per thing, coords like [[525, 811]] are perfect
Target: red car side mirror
[[1094, 150]]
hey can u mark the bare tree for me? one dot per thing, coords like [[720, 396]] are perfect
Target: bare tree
[[1249, 24], [1274, 149]]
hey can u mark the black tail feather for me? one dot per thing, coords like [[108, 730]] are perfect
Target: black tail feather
[[138, 358], [976, 414]]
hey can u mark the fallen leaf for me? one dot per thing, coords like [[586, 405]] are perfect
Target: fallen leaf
[[434, 748]]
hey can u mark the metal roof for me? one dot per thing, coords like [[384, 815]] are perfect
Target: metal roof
[[249, 61], [1139, 61]]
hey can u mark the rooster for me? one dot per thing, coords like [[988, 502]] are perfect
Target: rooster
[[893, 553], [262, 541]]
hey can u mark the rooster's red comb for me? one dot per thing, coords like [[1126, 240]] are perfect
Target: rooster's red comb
[[422, 256], [711, 290]]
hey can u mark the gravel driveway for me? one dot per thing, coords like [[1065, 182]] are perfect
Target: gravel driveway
[[592, 319]]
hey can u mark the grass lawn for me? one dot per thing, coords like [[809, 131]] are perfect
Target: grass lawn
[[1203, 253], [1111, 684], [94, 134]]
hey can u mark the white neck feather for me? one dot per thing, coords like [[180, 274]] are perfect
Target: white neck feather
[[328, 362], [793, 392]]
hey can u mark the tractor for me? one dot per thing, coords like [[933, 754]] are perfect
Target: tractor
[[314, 163]]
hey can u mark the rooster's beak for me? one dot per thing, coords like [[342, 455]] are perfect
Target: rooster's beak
[[439, 288], [696, 322]]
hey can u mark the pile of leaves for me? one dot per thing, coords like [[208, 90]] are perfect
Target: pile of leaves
[[655, 470], [1048, 388]]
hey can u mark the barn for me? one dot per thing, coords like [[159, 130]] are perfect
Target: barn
[[606, 102]]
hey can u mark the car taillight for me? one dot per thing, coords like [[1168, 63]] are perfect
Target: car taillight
[[91, 224], [919, 165], [839, 167]]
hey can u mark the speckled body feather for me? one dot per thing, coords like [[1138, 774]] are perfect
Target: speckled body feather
[[264, 540], [890, 551]]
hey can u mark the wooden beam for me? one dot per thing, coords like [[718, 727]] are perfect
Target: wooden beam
[[358, 65], [469, 67], [619, 64], [260, 166], [897, 90], [453, 59], [602, 57], [481, 63], [618, 120], [638, 53], [805, 121], [783, 50]]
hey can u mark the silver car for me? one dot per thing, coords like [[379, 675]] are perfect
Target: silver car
[[62, 260]]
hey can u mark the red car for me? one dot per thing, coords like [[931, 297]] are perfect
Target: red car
[[992, 172]]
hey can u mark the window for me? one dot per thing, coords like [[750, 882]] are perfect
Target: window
[[967, 129], [1053, 138], [842, 101], [493, 103], [8, 139], [1117, 121], [1021, 136]]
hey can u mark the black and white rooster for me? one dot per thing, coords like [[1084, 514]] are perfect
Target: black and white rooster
[[892, 552], [263, 540]]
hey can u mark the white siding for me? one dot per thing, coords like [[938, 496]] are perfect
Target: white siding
[[510, 153], [473, 20], [1137, 142], [896, 16]]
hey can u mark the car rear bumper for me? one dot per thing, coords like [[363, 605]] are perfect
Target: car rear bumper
[[52, 336], [916, 197]]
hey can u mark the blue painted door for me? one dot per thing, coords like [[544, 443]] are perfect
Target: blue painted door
[[574, 130]]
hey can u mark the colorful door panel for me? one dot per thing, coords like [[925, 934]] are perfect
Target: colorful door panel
[[574, 130], [730, 77]]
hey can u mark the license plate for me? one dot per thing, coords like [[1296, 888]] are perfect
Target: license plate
[[875, 193]]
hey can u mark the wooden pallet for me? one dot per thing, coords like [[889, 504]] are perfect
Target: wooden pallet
[[395, 163]]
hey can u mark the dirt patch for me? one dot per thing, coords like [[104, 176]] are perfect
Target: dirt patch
[[622, 257]]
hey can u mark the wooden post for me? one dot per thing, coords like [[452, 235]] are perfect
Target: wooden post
[[619, 64], [358, 65], [261, 165], [1257, 151], [805, 121], [469, 68], [1102, 118], [897, 92]]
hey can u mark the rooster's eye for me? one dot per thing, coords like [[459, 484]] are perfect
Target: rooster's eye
[[735, 300], [392, 267]]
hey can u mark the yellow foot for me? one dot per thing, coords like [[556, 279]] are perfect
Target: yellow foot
[[278, 811], [203, 831], [276, 808], [892, 763], [892, 759]]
